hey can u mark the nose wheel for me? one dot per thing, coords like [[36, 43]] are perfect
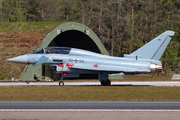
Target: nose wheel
[[27, 82], [61, 83]]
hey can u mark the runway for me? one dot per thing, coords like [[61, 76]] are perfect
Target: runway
[[90, 110], [138, 83], [92, 105]]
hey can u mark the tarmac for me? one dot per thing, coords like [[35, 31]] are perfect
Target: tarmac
[[90, 110], [138, 83]]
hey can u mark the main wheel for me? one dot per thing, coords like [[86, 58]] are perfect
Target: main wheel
[[61, 83], [109, 83], [106, 83], [103, 83]]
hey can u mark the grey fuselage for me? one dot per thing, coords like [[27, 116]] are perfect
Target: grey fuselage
[[94, 62]]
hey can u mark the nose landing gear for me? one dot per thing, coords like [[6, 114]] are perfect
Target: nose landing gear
[[27, 82], [61, 83]]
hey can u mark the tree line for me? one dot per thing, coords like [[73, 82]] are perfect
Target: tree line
[[122, 25]]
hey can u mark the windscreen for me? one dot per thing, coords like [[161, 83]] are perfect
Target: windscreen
[[57, 50], [40, 51]]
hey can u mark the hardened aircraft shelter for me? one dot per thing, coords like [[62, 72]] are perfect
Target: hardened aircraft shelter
[[71, 34]]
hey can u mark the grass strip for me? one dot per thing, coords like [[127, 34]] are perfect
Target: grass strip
[[90, 93]]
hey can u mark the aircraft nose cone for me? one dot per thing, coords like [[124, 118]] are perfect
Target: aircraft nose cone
[[20, 59]]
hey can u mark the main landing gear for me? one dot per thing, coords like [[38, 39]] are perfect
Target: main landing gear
[[103, 77], [105, 82]]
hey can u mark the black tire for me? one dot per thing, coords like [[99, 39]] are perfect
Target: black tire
[[103, 83], [27, 82], [109, 83], [106, 83], [61, 83]]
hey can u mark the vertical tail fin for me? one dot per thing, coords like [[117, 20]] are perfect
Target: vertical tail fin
[[155, 48]]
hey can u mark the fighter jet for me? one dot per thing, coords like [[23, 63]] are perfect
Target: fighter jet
[[72, 61]]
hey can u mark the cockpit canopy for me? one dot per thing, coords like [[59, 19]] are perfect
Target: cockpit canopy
[[53, 50]]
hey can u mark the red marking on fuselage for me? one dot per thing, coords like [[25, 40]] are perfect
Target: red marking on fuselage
[[69, 64], [95, 66], [60, 65]]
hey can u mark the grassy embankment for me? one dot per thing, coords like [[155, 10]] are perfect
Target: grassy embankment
[[18, 38], [90, 93]]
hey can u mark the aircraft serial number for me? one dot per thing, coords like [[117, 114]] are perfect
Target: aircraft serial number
[[76, 60]]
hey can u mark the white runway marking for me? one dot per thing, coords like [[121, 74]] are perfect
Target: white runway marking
[[92, 115], [154, 83], [85, 110]]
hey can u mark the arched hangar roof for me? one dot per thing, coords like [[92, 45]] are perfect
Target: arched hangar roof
[[75, 35]]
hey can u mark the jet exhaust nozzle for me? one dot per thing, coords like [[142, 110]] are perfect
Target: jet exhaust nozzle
[[155, 68]]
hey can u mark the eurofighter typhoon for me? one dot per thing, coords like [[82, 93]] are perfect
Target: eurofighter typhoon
[[67, 60]]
